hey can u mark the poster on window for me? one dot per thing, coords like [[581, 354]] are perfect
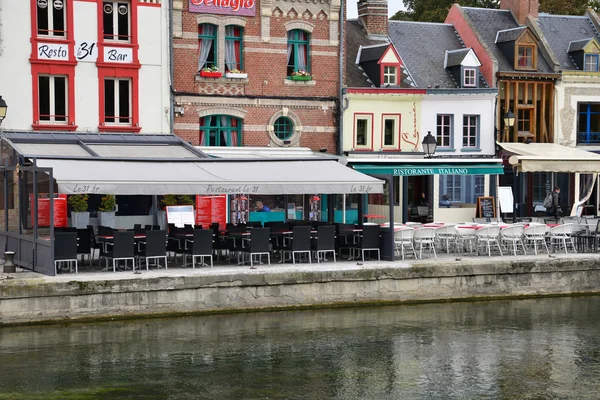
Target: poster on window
[[211, 209], [180, 215], [246, 8], [60, 210]]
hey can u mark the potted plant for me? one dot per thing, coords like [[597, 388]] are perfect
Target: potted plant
[[236, 74], [210, 72], [301, 75], [185, 200], [80, 217], [106, 211]]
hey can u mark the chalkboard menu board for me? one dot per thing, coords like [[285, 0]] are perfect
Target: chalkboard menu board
[[486, 207]]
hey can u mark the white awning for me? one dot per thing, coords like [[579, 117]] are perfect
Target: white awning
[[208, 177], [550, 157]]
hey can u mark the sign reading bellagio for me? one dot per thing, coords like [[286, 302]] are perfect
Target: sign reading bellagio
[[245, 8]]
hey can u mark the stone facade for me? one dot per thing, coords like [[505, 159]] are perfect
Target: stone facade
[[266, 91]]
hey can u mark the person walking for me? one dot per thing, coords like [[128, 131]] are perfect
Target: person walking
[[554, 209]]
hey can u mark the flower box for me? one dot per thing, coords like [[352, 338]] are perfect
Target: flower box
[[301, 78], [215, 74], [236, 75]]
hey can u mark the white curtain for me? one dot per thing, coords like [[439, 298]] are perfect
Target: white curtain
[[205, 45], [290, 47], [586, 186], [302, 52], [205, 134], [230, 56]]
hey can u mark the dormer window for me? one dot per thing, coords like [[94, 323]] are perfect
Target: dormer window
[[525, 57], [591, 63], [390, 75], [470, 77]]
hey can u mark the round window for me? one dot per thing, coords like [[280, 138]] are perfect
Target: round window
[[284, 128]]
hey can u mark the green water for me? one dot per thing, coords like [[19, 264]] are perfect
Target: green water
[[522, 349]]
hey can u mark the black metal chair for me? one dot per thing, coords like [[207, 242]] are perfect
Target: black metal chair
[[234, 239], [147, 227], [137, 226], [299, 242], [156, 227], [154, 247], [202, 246], [344, 237], [93, 242], [369, 240], [121, 248], [84, 244], [188, 228], [65, 250], [105, 231], [325, 241], [254, 224], [258, 244]]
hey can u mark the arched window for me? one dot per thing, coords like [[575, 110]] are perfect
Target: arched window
[[283, 128], [233, 48], [220, 130], [298, 51], [207, 45]]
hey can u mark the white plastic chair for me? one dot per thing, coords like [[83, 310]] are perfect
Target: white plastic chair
[[425, 237], [464, 237], [403, 238], [535, 234], [561, 235], [447, 236], [513, 236], [488, 236]]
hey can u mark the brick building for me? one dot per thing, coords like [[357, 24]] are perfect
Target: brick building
[[254, 99]]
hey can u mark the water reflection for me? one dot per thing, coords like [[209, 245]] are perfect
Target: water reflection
[[529, 349]]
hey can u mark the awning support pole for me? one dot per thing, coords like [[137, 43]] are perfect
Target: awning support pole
[[344, 208], [155, 210]]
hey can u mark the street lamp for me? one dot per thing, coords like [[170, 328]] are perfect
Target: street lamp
[[429, 145], [509, 121], [3, 108]]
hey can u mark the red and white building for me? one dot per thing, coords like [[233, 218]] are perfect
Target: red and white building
[[256, 48], [85, 65]]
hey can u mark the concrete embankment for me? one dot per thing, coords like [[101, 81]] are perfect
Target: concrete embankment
[[33, 298]]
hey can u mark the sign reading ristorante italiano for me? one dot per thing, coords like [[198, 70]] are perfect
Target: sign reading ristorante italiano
[[245, 8], [430, 171]]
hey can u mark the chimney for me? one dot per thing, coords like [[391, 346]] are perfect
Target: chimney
[[521, 9], [374, 16]]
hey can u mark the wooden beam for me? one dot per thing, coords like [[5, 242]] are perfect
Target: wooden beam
[[551, 108], [534, 88], [544, 133], [515, 135]]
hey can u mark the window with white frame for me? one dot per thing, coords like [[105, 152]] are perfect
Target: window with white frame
[[389, 75], [462, 188], [51, 18], [470, 77], [52, 98], [444, 130], [390, 132], [362, 129], [591, 62], [116, 23], [117, 101], [470, 130]]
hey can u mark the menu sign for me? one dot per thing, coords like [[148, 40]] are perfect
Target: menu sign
[[211, 209], [486, 207], [60, 211], [180, 215], [245, 8]]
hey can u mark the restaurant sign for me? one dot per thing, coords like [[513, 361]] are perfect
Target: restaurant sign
[[246, 8], [420, 170]]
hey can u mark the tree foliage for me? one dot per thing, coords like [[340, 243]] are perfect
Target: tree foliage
[[437, 10]]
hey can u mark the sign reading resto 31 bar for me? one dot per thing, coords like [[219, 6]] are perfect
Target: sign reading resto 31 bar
[[245, 8]]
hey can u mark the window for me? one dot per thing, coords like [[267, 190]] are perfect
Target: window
[[298, 52], [389, 76], [362, 131], [591, 62], [470, 130], [525, 57], [115, 21], [462, 188], [220, 130], [233, 48], [207, 45], [524, 120], [51, 17], [390, 135], [470, 77], [52, 98], [284, 128], [117, 101], [444, 130], [588, 126]]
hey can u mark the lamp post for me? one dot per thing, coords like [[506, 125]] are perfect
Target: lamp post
[[3, 108], [509, 121], [429, 145]]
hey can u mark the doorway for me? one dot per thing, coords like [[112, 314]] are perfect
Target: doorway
[[419, 198]]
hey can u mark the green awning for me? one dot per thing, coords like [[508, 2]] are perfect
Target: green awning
[[430, 169]]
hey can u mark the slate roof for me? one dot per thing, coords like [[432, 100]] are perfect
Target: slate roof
[[456, 57], [578, 45], [422, 46], [372, 53], [355, 37], [509, 35], [561, 30], [487, 22]]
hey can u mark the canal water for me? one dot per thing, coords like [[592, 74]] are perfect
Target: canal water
[[521, 349]]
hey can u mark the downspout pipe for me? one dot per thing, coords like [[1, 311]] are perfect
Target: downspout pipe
[[171, 71], [341, 93]]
